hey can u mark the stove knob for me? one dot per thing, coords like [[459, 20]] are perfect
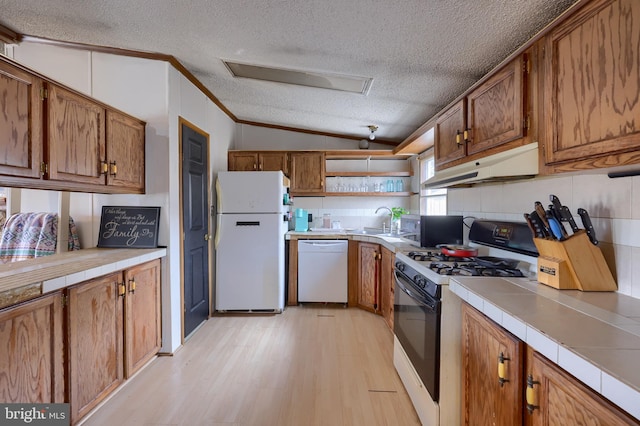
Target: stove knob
[[400, 266]]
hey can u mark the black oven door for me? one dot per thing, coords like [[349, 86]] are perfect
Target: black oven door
[[417, 327]]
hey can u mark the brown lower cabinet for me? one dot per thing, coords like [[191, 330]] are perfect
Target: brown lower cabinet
[[504, 382], [112, 329], [371, 283], [32, 363], [95, 342], [369, 276], [142, 327], [557, 398], [387, 285], [486, 399]]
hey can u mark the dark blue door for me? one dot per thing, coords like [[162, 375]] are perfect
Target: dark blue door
[[195, 214]]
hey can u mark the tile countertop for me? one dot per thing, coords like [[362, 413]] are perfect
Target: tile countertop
[[594, 336], [30, 278], [395, 244]]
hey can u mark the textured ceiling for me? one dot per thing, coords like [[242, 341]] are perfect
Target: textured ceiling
[[421, 54]]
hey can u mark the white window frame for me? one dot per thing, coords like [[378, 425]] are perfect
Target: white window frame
[[432, 201]]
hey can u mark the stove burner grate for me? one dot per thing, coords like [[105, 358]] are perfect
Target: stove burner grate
[[433, 256], [473, 270]]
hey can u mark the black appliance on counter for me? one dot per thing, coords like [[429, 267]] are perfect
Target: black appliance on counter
[[446, 229], [420, 274]]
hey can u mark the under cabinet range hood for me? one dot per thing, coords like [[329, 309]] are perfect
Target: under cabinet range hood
[[514, 164]]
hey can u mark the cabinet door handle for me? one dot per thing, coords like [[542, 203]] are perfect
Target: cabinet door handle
[[132, 285], [502, 369], [104, 168], [122, 289], [458, 137], [531, 396], [113, 168], [466, 135]]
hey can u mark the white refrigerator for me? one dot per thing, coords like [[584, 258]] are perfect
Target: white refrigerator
[[252, 220]]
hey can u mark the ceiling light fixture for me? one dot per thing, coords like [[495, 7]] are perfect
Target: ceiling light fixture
[[364, 143], [373, 129]]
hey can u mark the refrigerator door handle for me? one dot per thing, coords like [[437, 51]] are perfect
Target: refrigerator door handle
[[219, 195], [218, 230]]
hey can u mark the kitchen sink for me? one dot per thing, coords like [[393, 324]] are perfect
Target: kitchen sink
[[378, 232]]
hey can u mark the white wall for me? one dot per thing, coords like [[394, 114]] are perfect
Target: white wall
[[613, 204]]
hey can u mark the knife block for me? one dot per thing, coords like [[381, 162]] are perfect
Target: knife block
[[574, 263]]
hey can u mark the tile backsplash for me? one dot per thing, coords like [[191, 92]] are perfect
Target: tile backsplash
[[352, 211], [613, 204]]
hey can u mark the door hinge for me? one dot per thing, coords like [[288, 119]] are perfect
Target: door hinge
[[526, 122], [64, 300], [44, 168], [44, 93]]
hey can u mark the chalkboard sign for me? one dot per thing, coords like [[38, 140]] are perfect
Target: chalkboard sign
[[129, 227]]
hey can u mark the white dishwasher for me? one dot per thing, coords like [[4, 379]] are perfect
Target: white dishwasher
[[322, 271]]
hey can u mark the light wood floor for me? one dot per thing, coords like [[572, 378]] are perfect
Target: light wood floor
[[310, 365]]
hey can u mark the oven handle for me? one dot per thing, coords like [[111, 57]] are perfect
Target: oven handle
[[431, 304]]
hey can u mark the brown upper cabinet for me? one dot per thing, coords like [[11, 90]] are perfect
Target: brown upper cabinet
[[125, 159], [449, 144], [592, 81], [306, 169], [76, 137], [264, 161], [307, 172], [20, 122], [60, 139], [493, 117]]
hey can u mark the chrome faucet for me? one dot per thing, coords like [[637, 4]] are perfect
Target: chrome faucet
[[390, 215]]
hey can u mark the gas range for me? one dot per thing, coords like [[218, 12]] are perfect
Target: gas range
[[485, 266], [502, 238], [424, 313]]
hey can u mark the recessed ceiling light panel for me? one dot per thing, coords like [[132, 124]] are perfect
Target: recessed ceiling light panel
[[345, 83]]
